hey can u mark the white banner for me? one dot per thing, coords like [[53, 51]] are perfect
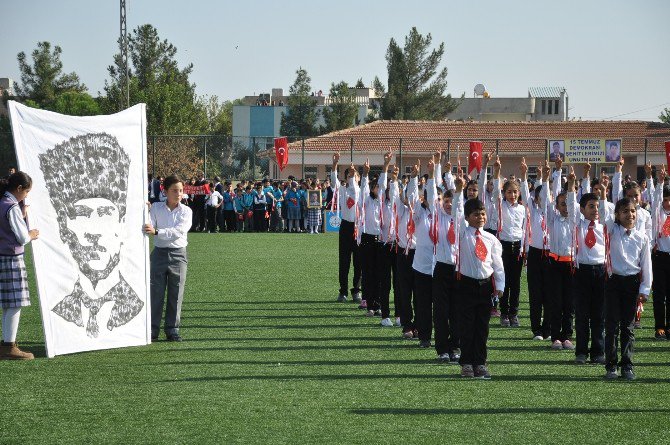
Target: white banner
[[88, 201]]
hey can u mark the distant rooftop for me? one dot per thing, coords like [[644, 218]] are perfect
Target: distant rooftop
[[545, 92]]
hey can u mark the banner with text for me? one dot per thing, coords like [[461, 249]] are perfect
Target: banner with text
[[581, 151]]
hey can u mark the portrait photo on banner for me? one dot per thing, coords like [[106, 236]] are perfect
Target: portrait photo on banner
[[88, 200]]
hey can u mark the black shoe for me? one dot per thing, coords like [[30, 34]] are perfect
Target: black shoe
[[424, 344], [598, 360], [627, 373], [454, 357], [174, 337]]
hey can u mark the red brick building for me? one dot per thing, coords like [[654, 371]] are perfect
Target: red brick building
[[416, 140]]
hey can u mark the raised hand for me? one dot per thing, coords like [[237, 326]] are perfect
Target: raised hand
[[648, 170], [496, 167], [571, 179], [431, 167], [619, 165], [558, 162], [415, 170], [336, 158], [459, 182], [587, 169], [488, 157], [447, 166], [394, 173], [523, 167], [366, 167], [387, 157], [661, 175]]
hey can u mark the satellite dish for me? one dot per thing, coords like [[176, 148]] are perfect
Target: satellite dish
[[479, 89]]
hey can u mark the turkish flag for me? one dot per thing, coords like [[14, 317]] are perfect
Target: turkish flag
[[475, 158], [667, 153], [281, 150]]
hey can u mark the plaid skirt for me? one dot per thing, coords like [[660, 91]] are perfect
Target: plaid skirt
[[13, 282], [313, 217]]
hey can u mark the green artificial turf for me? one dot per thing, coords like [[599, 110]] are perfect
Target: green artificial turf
[[270, 357]]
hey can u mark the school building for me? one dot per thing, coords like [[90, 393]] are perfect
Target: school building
[[415, 141]]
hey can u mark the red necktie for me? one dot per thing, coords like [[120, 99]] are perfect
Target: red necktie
[[666, 226], [451, 234], [480, 247], [590, 238]]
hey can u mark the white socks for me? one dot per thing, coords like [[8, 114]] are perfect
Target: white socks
[[10, 324]]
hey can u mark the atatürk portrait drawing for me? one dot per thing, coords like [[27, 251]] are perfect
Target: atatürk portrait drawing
[[87, 180]]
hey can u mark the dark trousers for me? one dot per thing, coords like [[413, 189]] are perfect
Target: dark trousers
[[423, 294], [371, 252], [198, 217], [513, 263], [589, 295], [168, 272], [661, 286], [474, 303], [537, 268], [407, 304], [445, 311], [211, 218], [620, 307], [388, 275], [348, 249], [260, 223], [559, 288], [230, 221]]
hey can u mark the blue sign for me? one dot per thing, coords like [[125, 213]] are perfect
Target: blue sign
[[331, 221]]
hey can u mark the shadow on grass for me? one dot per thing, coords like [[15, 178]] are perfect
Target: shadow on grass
[[507, 410], [284, 326], [262, 302], [270, 317], [453, 376]]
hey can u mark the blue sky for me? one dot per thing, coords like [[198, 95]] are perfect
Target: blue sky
[[612, 56]]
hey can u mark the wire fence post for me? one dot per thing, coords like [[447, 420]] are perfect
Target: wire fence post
[[253, 158], [204, 157], [645, 150], [400, 150], [449, 150], [302, 149], [497, 147], [351, 150], [153, 156]]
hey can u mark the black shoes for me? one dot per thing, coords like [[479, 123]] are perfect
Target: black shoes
[[174, 337]]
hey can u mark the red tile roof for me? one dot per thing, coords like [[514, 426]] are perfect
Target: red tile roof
[[513, 137]]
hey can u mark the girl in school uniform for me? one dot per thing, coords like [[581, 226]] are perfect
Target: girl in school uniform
[[14, 235], [558, 279], [314, 214], [425, 221], [537, 248], [406, 241], [292, 202], [445, 314], [628, 262], [660, 204], [512, 216], [370, 220], [387, 266]]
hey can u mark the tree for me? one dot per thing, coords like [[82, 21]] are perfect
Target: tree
[[359, 83], [301, 116], [416, 84], [219, 115], [343, 110], [665, 116], [75, 104], [157, 80], [43, 81]]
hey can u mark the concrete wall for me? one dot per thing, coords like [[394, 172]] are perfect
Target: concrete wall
[[479, 108]]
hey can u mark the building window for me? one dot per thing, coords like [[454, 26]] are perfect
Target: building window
[[607, 169], [544, 106], [311, 171], [556, 106], [532, 173], [408, 169]]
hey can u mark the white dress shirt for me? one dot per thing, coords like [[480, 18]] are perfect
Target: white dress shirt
[[558, 227], [403, 213], [513, 215], [471, 266], [659, 215], [537, 235], [343, 194], [596, 254], [487, 199], [214, 199], [445, 251], [643, 221], [370, 211], [388, 222], [629, 252], [172, 225], [424, 257], [16, 222]]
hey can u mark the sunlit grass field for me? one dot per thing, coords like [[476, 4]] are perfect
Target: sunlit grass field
[[269, 357]]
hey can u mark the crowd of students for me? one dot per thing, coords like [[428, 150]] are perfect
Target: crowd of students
[[261, 206], [453, 248]]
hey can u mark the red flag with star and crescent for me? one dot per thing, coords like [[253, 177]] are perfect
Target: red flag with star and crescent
[[475, 158], [281, 151], [667, 153]]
